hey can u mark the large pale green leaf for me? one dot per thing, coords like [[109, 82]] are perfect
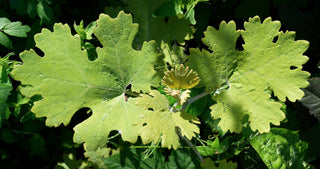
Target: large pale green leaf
[[160, 122], [68, 81], [281, 148], [116, 114], [262, 65], [215, 68]]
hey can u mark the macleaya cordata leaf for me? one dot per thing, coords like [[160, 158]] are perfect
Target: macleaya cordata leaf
[[245, 75], [68, 81], [162, 123]]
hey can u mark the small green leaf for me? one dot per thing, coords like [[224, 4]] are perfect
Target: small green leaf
[[17, 29], [31, 8], [213, 147], [79, 29], [89, 29], [45, 12], [4, 22], [5, 41], [190, 16], [49, 1], [85, 33]]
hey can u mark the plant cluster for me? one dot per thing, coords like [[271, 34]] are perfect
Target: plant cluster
[[155, 87]]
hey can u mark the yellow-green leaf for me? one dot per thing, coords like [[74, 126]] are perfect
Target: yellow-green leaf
[[68, 81], [270, 60], [161, 123]]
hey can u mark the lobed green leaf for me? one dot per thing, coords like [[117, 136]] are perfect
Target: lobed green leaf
[[240, 78], [68, 81], [161, 123]]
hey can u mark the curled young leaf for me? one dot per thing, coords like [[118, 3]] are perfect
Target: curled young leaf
[[181, 78], [184, 96]]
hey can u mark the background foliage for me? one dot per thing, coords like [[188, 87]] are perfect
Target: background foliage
[[26, 142]]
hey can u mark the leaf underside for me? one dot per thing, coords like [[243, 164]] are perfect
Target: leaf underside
[[311, 99], [262, 65]]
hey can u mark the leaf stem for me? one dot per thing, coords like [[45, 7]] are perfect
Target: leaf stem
[[113, 136], [193, 99], [190, 144], [21, 132], [146, 147], [201, 95], [131, 93]]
